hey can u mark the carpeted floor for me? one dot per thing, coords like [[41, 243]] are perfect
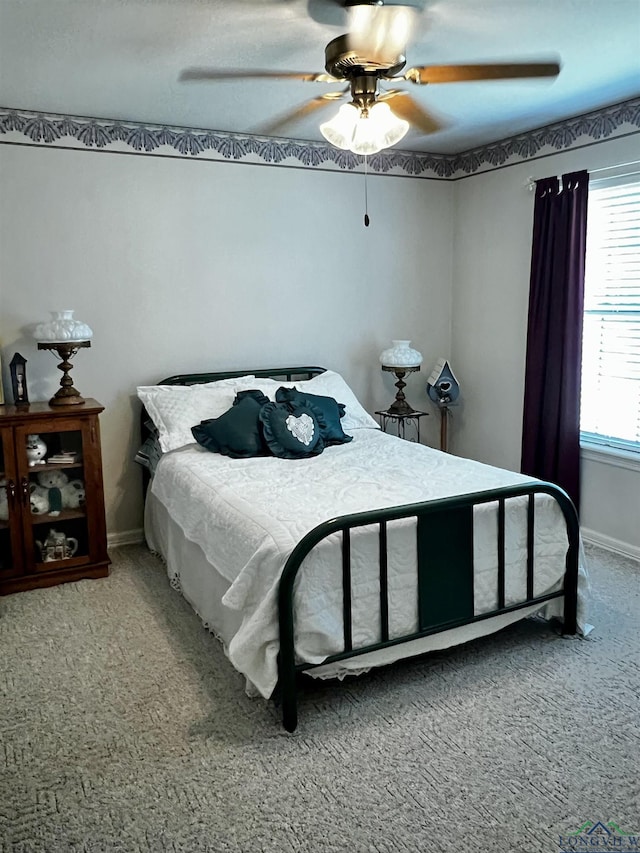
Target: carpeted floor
[[124, 728]]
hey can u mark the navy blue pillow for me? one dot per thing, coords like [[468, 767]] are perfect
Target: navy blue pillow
[[238, 432], [291, 431], [328, 409]]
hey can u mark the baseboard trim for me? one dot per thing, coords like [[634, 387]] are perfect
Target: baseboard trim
[[611, 544], [126, 537]]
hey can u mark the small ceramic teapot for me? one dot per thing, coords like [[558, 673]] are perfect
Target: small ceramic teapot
[[57, 546], [36, 450]]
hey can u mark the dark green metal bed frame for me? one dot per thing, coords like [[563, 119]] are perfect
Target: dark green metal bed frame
[[445, 560]]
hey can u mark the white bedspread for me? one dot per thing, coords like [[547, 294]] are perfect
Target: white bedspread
[[248, 514]]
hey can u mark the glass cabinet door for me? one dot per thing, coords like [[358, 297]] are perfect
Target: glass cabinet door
[[50, 458], [10, 527]]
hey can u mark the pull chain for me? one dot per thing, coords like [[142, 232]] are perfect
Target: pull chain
[[366, 200]]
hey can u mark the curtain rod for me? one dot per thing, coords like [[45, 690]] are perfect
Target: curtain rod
[[531, 181]]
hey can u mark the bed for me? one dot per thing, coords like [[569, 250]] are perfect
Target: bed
[[373, 550]]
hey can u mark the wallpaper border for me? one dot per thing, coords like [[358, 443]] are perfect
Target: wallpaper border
[[596, 126], [47, 129]]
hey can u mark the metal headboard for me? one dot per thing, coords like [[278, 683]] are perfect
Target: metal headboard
[[286, 374]]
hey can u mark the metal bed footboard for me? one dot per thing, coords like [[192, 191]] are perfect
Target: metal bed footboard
[[445, 574]]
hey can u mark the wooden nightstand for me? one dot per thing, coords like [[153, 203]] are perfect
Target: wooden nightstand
[[400, 423], [41, 542]]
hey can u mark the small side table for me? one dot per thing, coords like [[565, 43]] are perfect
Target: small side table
[[401, 423]]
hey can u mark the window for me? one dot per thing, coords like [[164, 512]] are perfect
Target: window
[[610, 404]]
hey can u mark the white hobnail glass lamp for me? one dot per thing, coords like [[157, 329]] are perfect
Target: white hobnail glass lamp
[[64, 335], [401, 354], [400, 359], [62, 328], [363, 133]]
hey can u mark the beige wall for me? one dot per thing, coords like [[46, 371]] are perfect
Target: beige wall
[[181, 265]]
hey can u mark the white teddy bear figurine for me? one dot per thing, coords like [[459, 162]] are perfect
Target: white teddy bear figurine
[[39, 499], [73, 494], [48, 481], [54, 479]]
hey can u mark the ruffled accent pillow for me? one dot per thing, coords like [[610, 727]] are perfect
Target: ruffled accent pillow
[[292, 431], [330, 412], [238, 432]]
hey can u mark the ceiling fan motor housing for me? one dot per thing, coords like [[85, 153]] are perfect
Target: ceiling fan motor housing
[[345, 60]]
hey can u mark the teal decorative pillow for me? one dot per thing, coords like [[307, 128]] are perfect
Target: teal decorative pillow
[[237, 432], [291, 431], [254, 394], [328, 410]]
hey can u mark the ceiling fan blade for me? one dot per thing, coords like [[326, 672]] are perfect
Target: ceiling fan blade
[[281, 122], [405, 107], [202, 74], [489, 71]]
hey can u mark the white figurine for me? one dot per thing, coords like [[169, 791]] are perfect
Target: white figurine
[[36, 450]]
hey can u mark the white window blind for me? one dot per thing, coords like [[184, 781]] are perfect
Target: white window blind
[[610, 404]]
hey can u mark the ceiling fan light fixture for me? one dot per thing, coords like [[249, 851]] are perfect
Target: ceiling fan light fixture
[[384, 126], [364, 133], [340, 129]]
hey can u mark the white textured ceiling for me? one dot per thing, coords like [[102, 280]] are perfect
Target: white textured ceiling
[[120, 59]]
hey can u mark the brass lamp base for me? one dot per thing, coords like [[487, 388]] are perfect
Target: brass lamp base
[[66, 395], [400, 405]]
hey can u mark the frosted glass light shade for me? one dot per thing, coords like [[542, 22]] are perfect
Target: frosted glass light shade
[[339, 130], [62, 328], [364, 134], [401, 355]]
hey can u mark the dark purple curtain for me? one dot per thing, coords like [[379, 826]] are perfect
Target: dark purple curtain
[[551, 418]]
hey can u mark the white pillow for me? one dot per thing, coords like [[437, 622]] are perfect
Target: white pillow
[[331, 384], [174, 409]]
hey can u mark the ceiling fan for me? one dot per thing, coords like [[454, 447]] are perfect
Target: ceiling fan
[[374, 119]]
